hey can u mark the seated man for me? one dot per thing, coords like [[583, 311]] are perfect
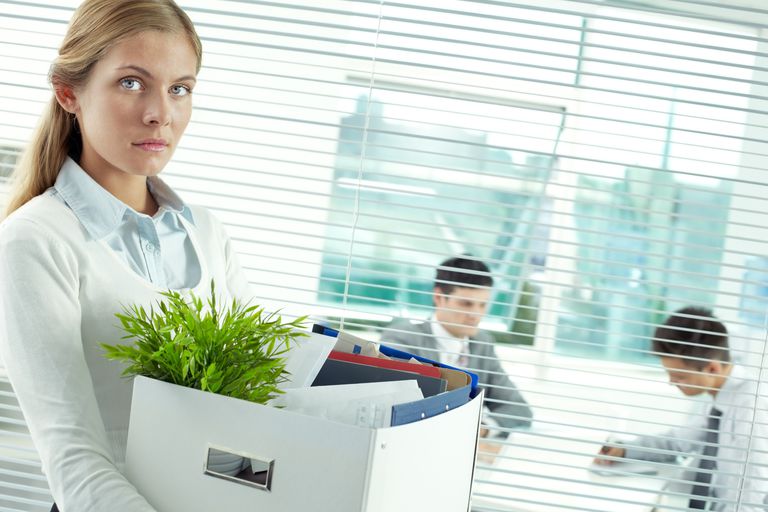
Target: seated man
[[461, 293], [732, 431]]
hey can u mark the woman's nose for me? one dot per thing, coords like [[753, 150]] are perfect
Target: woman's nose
[[158, 111]]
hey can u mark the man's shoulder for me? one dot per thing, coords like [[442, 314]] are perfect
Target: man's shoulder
[[486, 346], [403, 329], [482, 335], [404, 324], [414, 335]]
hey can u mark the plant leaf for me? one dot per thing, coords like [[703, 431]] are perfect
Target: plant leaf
[[230, 348]]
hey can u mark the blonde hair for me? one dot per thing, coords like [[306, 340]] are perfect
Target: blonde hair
[[96, 26]]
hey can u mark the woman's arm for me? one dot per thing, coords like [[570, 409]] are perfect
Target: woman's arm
[[41, 346]]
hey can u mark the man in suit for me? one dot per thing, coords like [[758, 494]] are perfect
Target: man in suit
[[461, 294], [728, 435]]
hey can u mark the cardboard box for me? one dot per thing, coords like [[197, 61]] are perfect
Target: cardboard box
[[308, 463]]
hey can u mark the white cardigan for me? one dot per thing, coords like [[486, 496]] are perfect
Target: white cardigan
[[59, 292]]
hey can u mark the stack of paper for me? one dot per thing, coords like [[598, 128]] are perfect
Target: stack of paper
[[342, 368], [357, 361], [341, 377], [304, 360], [364, 405]]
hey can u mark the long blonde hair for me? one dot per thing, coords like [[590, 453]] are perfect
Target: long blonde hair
[[96, 26]]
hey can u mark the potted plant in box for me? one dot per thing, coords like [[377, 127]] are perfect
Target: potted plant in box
[[235, 350]]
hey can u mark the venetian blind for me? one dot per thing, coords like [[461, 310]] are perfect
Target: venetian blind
[[605, 159]]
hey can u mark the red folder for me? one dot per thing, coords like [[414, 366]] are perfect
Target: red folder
[[394, 364]]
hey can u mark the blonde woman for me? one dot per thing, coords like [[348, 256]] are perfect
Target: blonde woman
[[90, 227]]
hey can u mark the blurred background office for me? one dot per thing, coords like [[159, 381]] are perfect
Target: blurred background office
[[606, 158]]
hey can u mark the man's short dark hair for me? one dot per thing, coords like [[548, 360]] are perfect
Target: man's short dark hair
[[693, 333], [462, 271]]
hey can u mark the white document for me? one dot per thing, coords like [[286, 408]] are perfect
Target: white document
[[305, 358], [352, 344], [364, 405], [629, 468]]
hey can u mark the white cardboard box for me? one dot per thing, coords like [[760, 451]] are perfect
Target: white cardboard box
[[317, 465]]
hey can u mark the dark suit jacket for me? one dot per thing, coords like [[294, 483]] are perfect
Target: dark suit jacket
[[501, 396]]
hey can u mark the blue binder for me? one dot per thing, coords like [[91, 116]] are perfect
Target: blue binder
[[430, 406], [393, 352]]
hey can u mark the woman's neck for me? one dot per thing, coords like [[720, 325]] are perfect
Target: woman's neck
[[128, 188]]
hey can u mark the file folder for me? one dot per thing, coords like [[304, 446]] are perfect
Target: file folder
[[393, 352], [461, 385], [401, 354], [336, 372], [429, 406], [394, 364]]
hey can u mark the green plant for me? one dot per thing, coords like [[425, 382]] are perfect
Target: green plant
[[234, 351]]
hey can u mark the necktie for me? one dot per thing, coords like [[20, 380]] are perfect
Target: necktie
[[463, 361], [707, 463]]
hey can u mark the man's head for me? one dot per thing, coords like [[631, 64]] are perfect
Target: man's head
[[461, 294], [693, 346]]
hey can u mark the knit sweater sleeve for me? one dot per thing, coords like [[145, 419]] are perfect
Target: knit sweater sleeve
[[42, 349]]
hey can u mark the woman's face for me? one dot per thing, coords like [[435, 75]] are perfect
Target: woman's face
[[135, 106]]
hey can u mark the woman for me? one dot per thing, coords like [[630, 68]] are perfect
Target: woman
[[91, 228]]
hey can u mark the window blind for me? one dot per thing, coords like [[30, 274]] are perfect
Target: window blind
[[604, 158]]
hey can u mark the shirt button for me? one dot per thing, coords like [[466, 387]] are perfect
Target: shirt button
[[149, 246]]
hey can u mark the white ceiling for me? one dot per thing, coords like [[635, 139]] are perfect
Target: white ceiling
[[752, 12]]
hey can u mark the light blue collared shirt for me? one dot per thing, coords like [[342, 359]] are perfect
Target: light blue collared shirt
[[157, 248]]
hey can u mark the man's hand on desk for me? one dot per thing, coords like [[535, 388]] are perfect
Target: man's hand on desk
[[487, 451], [609, 450]]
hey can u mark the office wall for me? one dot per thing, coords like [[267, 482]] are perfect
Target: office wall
[[606, 160]]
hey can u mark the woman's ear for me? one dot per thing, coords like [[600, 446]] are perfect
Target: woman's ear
[[65, 95]]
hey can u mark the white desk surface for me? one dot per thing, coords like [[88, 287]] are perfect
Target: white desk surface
[[548, 471]]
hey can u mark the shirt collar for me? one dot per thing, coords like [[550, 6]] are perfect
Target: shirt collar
[[99, 211], [741, 380], [440, 331], [166, 198]]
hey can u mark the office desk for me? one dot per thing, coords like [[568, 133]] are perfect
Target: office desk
[[548, 471]]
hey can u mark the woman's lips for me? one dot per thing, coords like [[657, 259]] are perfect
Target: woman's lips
[[152, 145]]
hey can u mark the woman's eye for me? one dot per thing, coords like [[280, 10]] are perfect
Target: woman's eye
[[180, 90], [131, 84]]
